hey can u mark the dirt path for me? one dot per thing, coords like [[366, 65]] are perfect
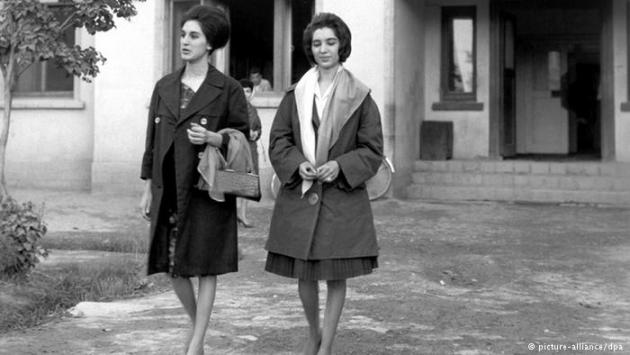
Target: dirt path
[[470, 278]]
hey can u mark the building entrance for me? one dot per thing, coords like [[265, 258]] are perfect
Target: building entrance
[[556, 99]]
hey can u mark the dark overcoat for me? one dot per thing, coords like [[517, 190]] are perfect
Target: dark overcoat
[[332, 220], [206, 237]]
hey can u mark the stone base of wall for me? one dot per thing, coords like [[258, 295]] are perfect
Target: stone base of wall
[[65, 175], [116, 177]]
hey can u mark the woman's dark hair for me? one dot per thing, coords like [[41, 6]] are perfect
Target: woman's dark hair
[[336, 24], [246, 83], [214, 24]]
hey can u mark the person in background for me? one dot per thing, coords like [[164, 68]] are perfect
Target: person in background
[[255, 129], [191, 234], [326, 141], [260, 84]]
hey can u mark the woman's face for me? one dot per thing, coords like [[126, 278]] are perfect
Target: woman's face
[[325, 48], [193, 43]]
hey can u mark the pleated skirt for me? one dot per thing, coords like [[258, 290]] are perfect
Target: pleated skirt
[[327, 269]]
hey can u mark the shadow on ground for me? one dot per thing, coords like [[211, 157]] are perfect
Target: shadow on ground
[[456, 278]]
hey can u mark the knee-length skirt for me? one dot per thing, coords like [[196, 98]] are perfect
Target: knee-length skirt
[[326, 269]]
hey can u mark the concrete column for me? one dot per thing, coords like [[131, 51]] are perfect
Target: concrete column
[[607, 88], [621, 10], [408, 89]]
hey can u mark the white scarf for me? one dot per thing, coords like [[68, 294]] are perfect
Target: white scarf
[[346, 96]]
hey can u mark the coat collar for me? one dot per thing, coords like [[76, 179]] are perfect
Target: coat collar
[[209, 90]]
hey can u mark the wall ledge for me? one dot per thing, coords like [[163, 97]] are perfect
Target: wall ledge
[[44, 103], [457, 106], [268, 100]]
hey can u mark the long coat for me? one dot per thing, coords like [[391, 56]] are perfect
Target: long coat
[[332, 220], [206, 237]]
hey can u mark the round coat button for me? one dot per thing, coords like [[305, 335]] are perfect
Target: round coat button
[[313, 198], [204, 121], [157, 120]]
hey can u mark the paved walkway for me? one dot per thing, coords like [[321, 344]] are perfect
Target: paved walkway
[[457, 278]]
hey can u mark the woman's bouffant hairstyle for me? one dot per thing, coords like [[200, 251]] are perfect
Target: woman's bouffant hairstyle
[[336, 24], [213, 22]]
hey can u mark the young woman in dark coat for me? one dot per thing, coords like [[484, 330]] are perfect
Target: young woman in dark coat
[[325, 142], [192, 235]]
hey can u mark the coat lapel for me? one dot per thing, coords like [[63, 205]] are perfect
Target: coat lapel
[[209, 90], [346, 99], [169, 92]]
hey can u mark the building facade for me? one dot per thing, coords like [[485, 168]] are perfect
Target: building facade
[[517, 80]]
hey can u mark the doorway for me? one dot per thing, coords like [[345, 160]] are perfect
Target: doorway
[[546, 87], [583, 102]]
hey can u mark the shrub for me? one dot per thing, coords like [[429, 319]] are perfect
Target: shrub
[[21, 229], [52, 289]]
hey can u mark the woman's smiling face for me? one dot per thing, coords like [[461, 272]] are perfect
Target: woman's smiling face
[[325, 48], [193, 43]]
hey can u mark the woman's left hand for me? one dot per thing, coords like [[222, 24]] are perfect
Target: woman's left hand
[[199, 135], [328, 172], [253, 135]]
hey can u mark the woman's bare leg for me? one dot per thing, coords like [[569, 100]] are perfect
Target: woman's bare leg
[[205, 303], [309, 295], [334, 305], [185, 292], [241, 212]]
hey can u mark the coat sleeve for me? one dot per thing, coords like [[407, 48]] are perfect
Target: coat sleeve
[[360, 164], [237, 115], [284, 154], [254, 121], [147, 158]]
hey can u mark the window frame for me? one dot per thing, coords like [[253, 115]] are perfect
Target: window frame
[[43, 67], [449, 13], [282, 42]]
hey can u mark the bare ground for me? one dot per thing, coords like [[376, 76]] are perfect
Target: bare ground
[[456, 278]]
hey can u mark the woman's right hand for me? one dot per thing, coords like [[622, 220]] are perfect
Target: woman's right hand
[[199, 135], [307, 171], [145, 201]]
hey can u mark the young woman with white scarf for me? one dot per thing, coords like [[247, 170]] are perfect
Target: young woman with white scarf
[[325, 143]]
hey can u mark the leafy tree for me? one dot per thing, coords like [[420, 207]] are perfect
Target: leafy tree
[[30, 32]]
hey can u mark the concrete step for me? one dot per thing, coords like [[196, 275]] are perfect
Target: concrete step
[[459, 193], [570, 182], [535, 181], [526, 167]]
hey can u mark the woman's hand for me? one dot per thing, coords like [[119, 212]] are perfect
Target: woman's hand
[[199, 135], [145, 201], [253, 135], [307, 171], [328, 172]]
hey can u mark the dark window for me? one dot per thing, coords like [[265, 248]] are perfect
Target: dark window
[[269, 37], [251, 43], [458, 79], [302, 13], [46, 78], [266, 34]]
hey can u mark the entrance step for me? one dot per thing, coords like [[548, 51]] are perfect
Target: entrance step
[[570, 182]]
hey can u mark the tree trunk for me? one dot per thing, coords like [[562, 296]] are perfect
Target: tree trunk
[[4, 130]]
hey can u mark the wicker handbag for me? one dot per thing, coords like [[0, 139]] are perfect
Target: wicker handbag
[[240, 184]]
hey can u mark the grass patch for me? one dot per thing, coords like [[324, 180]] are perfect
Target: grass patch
[[49, 291], [135, 242]]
